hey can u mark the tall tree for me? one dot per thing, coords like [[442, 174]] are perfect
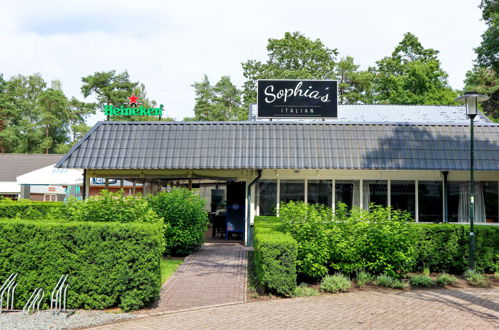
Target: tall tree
[[54, 114], [354, 85], [292, 57], [7, 116], [221, 102], [484, 78], [411, 75]]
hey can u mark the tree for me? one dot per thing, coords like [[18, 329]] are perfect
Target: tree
[[221, 102], [54, 114], [7, 115], [411, 75], [293, 57], [487, 52], [354, 86]]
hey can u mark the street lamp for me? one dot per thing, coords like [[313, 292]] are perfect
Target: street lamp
[[471, 100]]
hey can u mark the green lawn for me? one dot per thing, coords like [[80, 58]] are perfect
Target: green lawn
[[168, 267]]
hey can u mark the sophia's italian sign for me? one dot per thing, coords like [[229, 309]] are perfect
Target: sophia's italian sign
[[297, 98], [133, 109]]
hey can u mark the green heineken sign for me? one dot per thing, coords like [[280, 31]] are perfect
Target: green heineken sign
[[132, 109]]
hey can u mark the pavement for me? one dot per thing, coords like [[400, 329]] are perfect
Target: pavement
[[214, 275], [415, 309]]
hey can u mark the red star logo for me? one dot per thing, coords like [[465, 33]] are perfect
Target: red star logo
[[133, 99]]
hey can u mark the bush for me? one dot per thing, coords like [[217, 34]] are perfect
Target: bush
[[336, 283], [446, 279], [363, 278], [27, 209], [275, 256], [110, 206], [304, 290], [109, 264], [475, 278], [444, 247], [390, 282], [185, 220], [421, 280]]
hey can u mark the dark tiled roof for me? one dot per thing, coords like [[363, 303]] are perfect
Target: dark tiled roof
[[264, 145], [14, 165]]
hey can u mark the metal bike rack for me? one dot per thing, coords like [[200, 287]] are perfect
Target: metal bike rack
[[58, 297], [9, 287], [33, 303]]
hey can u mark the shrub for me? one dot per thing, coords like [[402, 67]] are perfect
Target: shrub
[[363, 278], [390, 282], [421, 280], [496, 275], [110, 206], [109, 264], [336, 283], [274, 256], [185, 220], [311, 226], [27, 209], [446, 279], [304, 290], [475, 278]]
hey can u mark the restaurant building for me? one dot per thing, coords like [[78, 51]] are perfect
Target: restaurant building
[[414, 158]]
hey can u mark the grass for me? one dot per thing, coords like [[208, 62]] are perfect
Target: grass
[[168, 267], [446, 279], [390, 282], [475, 278], [422, 280], [304, 290], [336, 283]]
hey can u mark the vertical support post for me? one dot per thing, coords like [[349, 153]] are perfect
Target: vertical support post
[[106, 180], [134, 189], [416, 186], [472, 195], [190, 183], [86, 185], [446, 196]]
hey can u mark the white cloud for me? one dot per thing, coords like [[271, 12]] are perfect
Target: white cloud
[[168, 45]]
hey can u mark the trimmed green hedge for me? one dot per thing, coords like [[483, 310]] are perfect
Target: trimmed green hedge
[[29, 209], [444, 247], [275, 256], [109, 264]]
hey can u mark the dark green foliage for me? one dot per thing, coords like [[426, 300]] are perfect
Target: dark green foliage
[[444, 247], [28, 209], [421, 280], [110, 206], [275, 256], [185, 220], [109, 264]]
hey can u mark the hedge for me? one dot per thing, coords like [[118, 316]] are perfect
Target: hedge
[[275, 256], [28, 209], [109, 264], [444, 247]]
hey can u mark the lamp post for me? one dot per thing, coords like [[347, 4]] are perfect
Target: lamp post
[[471, 100]]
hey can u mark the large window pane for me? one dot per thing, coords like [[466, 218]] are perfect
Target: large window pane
[[454, 195], [267, 197], [292, 190], [375, 191], [490, 192], [347, 192], [403, 196], [320, 192], [430, 201]]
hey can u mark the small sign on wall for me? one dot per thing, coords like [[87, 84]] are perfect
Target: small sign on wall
[[297, 98]]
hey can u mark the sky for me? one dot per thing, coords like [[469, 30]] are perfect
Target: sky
[[169, 45]]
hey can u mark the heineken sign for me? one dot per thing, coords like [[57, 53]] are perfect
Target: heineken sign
[[132, 109], [297, 98]]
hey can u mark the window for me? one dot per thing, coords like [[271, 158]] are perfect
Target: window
[[347, 192], [292, 190], [486, 201], [491, 197], [50, 198], [375, 191], [320, 192], [403, 196], [430, 201], [267, 197], [453, 197]]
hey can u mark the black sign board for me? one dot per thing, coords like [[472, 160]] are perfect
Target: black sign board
[[297, 98]]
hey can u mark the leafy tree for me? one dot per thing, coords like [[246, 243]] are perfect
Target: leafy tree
[[485, 81], [221, 102], [411, 75], [54, 113], [292, 57], [354, 86], [7, 115]]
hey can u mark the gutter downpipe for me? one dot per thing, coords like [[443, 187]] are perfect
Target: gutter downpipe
[[249, 239]]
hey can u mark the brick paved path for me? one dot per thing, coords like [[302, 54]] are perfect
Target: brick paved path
[[216, 274], [417, 309]]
